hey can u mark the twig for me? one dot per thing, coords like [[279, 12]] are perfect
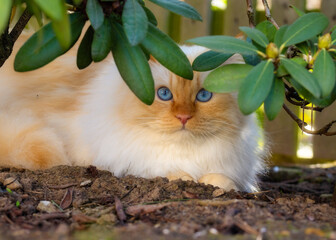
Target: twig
[[250, 13], [54, 215], [8, 219], [268, 14], [7, 40], [303, 104], [322, 131], [20, 25], [62, 186], [128, 192], [246, 227], [120, 210]]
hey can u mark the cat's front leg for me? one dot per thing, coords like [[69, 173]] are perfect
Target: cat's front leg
[[218, 180], [179, 175]]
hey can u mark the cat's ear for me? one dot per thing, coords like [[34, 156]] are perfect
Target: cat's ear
[[234, 59], [152, 59]]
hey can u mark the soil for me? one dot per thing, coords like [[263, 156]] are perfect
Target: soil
[[85, 203]]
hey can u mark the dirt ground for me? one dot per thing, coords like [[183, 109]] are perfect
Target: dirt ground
[[85, 203]]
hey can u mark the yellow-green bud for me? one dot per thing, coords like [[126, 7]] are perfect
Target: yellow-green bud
[[324, 41], [272, 51]]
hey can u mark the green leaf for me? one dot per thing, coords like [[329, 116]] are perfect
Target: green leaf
[[77, 2], [5, 11], [62, 30], [333, 35], [84, 57], [165, 50], [305, 28], [147, 54], [35, 10], [54, 9], [132, 65], [302, 76], [151, 17], [324, 72], [278, 38], [134, 21], [210, 60], [102, 41], [281, 71], [303, 47], [225, 44], [298, 11], [180, 8], [95, 13], [251, 59], [255, 35], [275, 99], [268, 29], [227, 78], [256, 87], [43, 46], [324, 102]]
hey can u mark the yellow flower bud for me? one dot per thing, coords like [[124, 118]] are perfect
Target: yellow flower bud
[[272, 51], [324, 41]]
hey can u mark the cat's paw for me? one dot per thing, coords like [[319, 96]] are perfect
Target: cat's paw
[[218, 180], [179, 175]]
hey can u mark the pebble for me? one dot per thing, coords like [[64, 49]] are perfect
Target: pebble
[[3, 176], [218, 192], [12, 183], [46, 206], [85, 183], [213, 231]]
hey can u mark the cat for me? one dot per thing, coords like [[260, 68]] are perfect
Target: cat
[[59, 115]]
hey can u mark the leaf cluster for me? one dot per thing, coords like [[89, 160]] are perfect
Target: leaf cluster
[[127, 28], [296, 57]]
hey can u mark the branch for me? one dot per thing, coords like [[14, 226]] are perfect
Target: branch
[[322, 131], [7, 40], [250, 13], [301, 103], [268, 14]]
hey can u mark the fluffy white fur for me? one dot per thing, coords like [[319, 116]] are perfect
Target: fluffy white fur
[[107, 129]]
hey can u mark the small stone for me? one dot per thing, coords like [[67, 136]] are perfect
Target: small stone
[[213, 231], [107, 218], [12, 183], [46, 206], [85, 183], [218, 192], [165, 231], [200, 234], [3, 176]]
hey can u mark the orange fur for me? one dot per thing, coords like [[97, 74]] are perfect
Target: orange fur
[[60, 115]]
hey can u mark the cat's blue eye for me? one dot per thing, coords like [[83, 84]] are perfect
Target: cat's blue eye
[[164, 94], [203, 95]]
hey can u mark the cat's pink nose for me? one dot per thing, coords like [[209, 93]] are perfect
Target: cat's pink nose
[[183, 118]]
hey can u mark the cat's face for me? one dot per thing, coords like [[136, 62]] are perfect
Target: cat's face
[[182, 107]]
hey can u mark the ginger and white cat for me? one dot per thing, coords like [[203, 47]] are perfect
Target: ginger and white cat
[[60, 115]]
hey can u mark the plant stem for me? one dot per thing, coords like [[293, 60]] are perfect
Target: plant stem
[[322, 131], [268, 14], [250, 13], [7, 41]]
